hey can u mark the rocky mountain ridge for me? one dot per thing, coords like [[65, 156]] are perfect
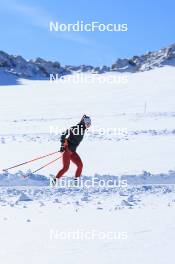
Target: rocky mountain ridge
[[41, 69]]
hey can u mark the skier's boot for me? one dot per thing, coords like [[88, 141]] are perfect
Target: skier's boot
[[53, 181], [76, 182]]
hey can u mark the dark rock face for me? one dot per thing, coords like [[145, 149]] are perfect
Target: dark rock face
[[146, 62], [35, 69]]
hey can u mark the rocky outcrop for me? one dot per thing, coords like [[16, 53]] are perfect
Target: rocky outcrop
[[147, 61], [41, 69], [38, 68]]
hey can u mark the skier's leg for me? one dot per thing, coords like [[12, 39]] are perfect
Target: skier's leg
[[66, 162], [75, 158]]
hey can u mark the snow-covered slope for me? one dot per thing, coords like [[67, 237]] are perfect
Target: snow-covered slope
[[36, 220], [133, 123], [48, 226]]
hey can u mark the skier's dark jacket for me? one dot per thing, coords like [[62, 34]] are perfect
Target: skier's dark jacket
[[74, 136]]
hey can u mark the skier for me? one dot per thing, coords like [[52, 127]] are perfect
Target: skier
[[69, 143]]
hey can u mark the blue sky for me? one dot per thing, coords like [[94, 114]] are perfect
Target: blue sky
[[24, 27]]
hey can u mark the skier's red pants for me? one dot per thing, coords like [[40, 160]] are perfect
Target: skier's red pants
[[68, 156]]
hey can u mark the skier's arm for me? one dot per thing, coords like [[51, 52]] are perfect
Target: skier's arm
[[63, 140], [63, 136]]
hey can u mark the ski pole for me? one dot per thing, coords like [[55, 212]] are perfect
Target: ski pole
[[47, 164], [41, 157]]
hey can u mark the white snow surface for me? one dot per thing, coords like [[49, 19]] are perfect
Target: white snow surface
[[144, 106], [143, 156]]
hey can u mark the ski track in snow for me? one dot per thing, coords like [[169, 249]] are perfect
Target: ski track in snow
[[35, 187], [46, 137], [104, 199], [116, 135]]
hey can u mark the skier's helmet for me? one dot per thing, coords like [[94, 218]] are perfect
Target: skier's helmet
[[86, 120]]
